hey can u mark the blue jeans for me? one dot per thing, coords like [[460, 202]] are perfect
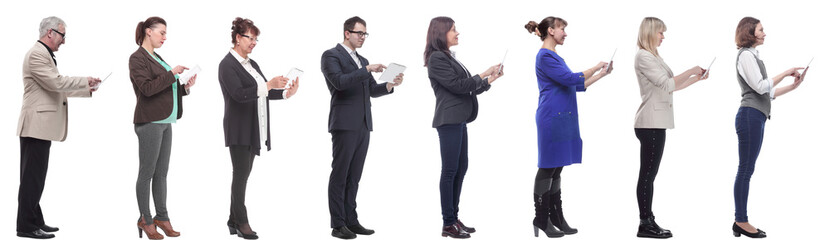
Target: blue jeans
[[749, 125], [453, 138]]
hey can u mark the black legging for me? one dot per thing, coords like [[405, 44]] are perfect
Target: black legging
[[652, 142]]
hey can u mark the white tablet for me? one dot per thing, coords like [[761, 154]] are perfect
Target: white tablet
[[706, 74], [392, 71]]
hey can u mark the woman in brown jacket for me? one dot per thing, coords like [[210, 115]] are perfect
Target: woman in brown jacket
[[158, 104]]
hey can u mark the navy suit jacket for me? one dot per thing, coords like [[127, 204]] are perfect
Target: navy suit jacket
[[455, 90], [350, 89], [239, 89]]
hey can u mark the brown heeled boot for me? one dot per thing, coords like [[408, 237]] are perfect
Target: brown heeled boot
[[167, 228], [149, 229]]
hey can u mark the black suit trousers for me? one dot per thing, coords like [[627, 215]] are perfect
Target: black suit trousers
[[242, 159], [349, 152], [34, 161]]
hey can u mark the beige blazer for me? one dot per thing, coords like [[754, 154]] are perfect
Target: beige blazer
[[656, 87], [44, 112]]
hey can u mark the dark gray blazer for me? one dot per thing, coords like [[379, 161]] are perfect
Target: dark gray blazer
[[350, 90], [239, 89], [455, 90]]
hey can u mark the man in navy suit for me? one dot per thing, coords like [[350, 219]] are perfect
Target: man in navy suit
[[350, 82]]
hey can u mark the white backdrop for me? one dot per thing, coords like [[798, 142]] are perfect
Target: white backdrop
[[90, 188]]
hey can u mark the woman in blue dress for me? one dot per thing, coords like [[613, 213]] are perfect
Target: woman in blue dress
[[556, 123]]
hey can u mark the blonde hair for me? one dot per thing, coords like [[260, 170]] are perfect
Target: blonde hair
[[647, 39]]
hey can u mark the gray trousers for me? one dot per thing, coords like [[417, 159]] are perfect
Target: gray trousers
[[154, 141]]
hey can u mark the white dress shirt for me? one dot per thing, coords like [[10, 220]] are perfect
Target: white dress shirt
[[749, 70], [352, 53]]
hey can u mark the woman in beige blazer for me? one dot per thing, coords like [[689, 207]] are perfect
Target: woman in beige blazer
[[655, 115]]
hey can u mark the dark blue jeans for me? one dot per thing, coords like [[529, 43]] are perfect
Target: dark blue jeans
[[453, 138], [749, 125]]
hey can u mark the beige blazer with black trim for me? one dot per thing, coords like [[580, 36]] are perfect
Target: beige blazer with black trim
[[44, 113]]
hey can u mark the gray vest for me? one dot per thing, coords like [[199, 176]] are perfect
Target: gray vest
[[749, 97]]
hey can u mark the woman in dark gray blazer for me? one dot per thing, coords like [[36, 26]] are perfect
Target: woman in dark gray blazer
[[247, 116], [455, 106], [158, 104]]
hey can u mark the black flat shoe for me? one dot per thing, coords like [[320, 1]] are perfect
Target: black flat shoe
[[737, 231], [454, 231], [47, 228], [465, 228], [342, 233], [39, 234], [359, 229], [649, 229]]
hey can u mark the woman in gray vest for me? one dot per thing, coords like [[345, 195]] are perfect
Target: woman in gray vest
[[757, 91]]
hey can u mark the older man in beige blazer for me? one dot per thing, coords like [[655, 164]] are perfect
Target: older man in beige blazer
[[43, 119]]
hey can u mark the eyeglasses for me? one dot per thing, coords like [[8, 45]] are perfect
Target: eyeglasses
[[63, 35], [360, 33], [254, 39]]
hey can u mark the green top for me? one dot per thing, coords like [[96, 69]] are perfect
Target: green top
[[172, 117]]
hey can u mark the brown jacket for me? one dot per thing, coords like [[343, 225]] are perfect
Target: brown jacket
[[153, 89], [44, 113]]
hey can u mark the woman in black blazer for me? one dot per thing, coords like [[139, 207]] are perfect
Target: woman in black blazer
[[455, 106], [247, 115]]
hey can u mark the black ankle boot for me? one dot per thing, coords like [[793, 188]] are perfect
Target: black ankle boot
[[650, 229], [556, 216]]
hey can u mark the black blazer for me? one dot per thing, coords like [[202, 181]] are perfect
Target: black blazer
[[153, 87], [455, 91], [239, 89], [350, 90]]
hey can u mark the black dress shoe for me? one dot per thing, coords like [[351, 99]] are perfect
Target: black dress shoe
[[650, 229], [342, 233], [454, 231], [465, 228], [737, 231], [39, 234], [358, 229], [47, 228]]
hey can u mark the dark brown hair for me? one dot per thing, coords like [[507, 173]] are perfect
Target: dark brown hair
[[241, 26], [745, 33], [151, 22], [351, 22], [542, 28], [437, 37]]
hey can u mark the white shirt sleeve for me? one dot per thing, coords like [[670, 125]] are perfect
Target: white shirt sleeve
[[748, 69]]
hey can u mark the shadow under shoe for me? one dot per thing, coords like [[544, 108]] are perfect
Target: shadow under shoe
[[649, 229], [737, 231]]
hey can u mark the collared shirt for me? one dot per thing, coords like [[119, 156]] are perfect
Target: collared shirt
[[352, 53], [50, 52], [261, 93], [748, 69]]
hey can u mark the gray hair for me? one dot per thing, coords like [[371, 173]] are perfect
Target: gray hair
[[50, 23]]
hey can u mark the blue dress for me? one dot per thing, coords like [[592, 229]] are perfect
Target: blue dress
[[557, 118]]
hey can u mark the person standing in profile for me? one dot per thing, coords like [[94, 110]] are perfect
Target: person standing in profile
[[247, 121], [158, 94], [456, 105], [43, 119], [656, 114], [350, 82], [557, 123], [757, 93]]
